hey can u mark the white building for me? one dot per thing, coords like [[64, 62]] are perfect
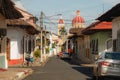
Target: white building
[[20, 38], [6, 13]]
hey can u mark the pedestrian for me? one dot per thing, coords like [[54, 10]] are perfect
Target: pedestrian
[[70, 51]]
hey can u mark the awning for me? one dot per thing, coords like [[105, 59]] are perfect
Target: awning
[[110, 14], [30, 27]]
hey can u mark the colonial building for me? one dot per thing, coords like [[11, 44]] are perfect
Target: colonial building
[[20, 37], [113, 16], [91, 41], [61, 34], [60, 25], [76, 40], [8, 11], [98, 39]]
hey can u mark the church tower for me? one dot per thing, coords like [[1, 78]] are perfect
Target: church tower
[[60, 25]]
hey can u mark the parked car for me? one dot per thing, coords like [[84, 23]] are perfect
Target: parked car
[[108, 64], [62, 54]]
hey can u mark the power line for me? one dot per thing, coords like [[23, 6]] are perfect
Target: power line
[[48, 19]]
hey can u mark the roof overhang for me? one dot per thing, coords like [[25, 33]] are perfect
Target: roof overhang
[[31, 29], [96, 27], [7, 9], [110, 14]]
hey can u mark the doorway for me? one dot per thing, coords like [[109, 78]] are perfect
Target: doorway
[[8, 48]]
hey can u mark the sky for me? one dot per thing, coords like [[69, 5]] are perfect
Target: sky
[[89, 9]]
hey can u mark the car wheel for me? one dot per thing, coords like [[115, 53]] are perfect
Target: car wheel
[[97, 78], [100, 78], [93, 77]]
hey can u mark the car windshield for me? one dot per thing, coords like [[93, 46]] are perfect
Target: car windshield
[[115, 56]]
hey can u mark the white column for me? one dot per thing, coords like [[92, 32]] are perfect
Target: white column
[[50, 54]]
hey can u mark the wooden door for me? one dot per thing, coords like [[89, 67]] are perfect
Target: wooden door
[[8, 49]]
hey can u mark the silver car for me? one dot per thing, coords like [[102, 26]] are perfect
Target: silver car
[[108, 64]]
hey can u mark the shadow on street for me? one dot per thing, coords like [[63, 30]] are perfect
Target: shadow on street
[[68, 60], [86, 70], [82, 69]]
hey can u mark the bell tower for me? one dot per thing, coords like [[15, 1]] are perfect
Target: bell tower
[[60, 25]]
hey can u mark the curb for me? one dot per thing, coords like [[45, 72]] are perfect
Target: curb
[[45, 62]]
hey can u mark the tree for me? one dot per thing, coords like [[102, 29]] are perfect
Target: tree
[[63, 31]]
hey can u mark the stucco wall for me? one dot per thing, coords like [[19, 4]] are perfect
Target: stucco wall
[[15, 35], [116, 27], [102, 38], [83, 44], [116, 34], [80, 45]]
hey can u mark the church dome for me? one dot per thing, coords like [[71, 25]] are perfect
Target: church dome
[[78, 21]]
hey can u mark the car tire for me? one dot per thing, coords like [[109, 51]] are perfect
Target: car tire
[[97, 78], [93, 77]]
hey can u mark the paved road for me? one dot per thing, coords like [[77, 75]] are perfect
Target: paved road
[[57, 69], [62, 69]]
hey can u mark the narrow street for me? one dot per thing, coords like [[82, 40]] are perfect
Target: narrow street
[[31, 31], [60, 69]]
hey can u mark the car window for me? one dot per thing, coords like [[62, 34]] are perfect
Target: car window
[[115, 56]]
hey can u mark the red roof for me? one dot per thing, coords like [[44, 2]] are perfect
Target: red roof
[[103, 25], [97, 26]]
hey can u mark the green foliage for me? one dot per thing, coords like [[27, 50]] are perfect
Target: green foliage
[[37, 53], [38, 42], [47, 50], [63, 31], [53, 45]]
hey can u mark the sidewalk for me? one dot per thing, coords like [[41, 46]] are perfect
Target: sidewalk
[[18, 72], [14, 73]]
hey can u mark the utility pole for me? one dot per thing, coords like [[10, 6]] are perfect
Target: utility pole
[[41, 46], [66, 38], [45, 43]]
